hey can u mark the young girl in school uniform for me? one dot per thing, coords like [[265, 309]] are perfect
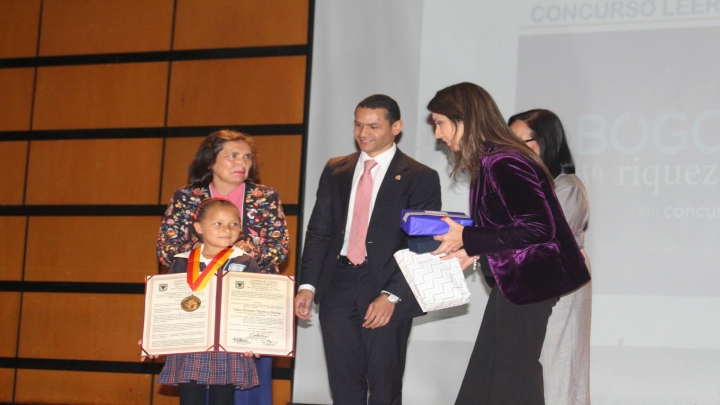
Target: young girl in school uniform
[[217, 224]]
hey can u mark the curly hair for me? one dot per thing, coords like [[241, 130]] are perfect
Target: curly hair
[[200, 171]]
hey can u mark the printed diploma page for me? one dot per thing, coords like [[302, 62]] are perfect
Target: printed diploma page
[[251, 312], [257, 313], [177, 320]]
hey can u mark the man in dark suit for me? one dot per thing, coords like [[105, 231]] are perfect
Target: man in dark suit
[[366, 306]]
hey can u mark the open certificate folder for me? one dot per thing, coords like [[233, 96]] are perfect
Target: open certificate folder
[[251, 312], [436, 283]]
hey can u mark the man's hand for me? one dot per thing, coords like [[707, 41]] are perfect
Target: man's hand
[[303, 301], [378, 313]]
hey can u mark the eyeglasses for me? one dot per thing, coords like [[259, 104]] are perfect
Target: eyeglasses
[[528, 140]]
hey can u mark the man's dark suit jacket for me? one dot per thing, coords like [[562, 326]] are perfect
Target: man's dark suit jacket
[[407, 184]]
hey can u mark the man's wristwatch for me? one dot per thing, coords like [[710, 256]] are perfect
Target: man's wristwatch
[[391, 298]]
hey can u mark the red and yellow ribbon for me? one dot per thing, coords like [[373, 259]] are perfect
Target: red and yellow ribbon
[[195, 278]]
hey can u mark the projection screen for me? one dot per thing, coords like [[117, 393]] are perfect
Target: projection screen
[[637, 85]]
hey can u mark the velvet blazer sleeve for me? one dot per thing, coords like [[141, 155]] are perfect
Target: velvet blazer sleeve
[[515, 211]]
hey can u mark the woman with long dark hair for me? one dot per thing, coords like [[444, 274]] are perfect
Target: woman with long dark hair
[[565, 353], [532, 256]]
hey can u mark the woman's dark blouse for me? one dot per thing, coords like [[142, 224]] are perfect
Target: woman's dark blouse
[[263, 223]]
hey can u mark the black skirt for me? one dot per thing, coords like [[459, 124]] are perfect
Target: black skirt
[[504, 367]]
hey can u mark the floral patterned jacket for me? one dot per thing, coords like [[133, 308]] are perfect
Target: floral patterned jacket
[[262, 217]]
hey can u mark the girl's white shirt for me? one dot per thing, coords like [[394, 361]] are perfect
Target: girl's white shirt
[[236, 252]]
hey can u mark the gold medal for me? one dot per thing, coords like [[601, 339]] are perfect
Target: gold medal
[[198, 280], [190, 303]]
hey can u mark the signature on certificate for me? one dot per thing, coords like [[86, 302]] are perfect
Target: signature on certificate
[[263, 337]]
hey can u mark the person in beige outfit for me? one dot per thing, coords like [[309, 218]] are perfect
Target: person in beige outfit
[[565, 355]]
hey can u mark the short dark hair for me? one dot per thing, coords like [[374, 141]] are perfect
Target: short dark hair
[[200, 171], [376, 101], [550, 136], [203, 208]]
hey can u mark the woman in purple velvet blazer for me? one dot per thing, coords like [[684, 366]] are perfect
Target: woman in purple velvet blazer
[[532, 256]]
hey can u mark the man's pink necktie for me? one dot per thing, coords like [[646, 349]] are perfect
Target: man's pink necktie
[[359, 226]]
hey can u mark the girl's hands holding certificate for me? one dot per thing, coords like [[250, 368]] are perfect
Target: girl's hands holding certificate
[[152, 356]]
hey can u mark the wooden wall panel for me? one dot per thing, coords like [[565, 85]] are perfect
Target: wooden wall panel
[[12, 246], [122, 95], [279, 163], [282, 392], [100, 171], [108, 26], [240, 23], [124, 248], [237, 91], [13, 158], [164, 394], [71, 387], [279, 159], [282, 362], [222, 92], [81, 326], [7, 381], [16, 88], [288, 267], [9, 311], [19, 28], [179, 152]]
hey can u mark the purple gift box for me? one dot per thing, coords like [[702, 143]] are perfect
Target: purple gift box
[[428, 223]]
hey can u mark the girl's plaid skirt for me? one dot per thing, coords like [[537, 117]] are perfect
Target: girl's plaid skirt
[[210, 369]]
